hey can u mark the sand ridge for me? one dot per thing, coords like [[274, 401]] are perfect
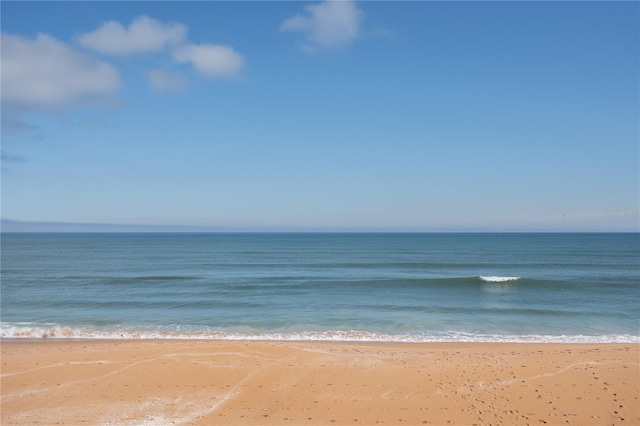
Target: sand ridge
[[226, 382]]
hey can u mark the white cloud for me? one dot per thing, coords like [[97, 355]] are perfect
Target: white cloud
[[211, 60], [143, 35], [163, 81], [45, 73], [146, 34], [331, 24]]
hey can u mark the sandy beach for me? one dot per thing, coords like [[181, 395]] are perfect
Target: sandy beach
[[227, 382]]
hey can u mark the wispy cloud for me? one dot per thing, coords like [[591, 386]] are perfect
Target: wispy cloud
[[95, 122], [143, 35], [7, 157], [211, 60], [162, 81], [12, 126], [328, 25], [46, 73]]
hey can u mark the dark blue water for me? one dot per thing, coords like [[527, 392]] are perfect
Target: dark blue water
[[398, 287]]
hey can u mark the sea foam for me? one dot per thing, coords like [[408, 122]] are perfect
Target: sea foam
[[22, 332]]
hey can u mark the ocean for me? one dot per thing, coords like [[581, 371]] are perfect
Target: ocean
[[382, 287]]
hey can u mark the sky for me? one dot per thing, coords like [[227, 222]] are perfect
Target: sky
[[320, 116]]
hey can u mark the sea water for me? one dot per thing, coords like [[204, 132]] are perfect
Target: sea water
[[305, 286]]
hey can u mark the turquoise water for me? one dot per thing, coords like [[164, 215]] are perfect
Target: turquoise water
[[371, 287]]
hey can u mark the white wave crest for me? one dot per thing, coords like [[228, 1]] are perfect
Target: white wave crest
[[498, 279]]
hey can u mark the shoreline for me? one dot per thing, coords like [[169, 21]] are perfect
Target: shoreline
[[184, 381], [634, 342], [63, 333]]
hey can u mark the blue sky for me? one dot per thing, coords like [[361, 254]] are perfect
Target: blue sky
[[325, 116]]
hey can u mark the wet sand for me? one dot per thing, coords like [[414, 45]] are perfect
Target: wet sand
[[231, 383]]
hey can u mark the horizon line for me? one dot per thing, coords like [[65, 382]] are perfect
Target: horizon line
[[42, 227]]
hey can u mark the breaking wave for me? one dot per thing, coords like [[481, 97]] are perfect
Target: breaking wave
[[495, 279]]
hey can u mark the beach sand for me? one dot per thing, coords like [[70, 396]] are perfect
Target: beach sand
[[232, 383]]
